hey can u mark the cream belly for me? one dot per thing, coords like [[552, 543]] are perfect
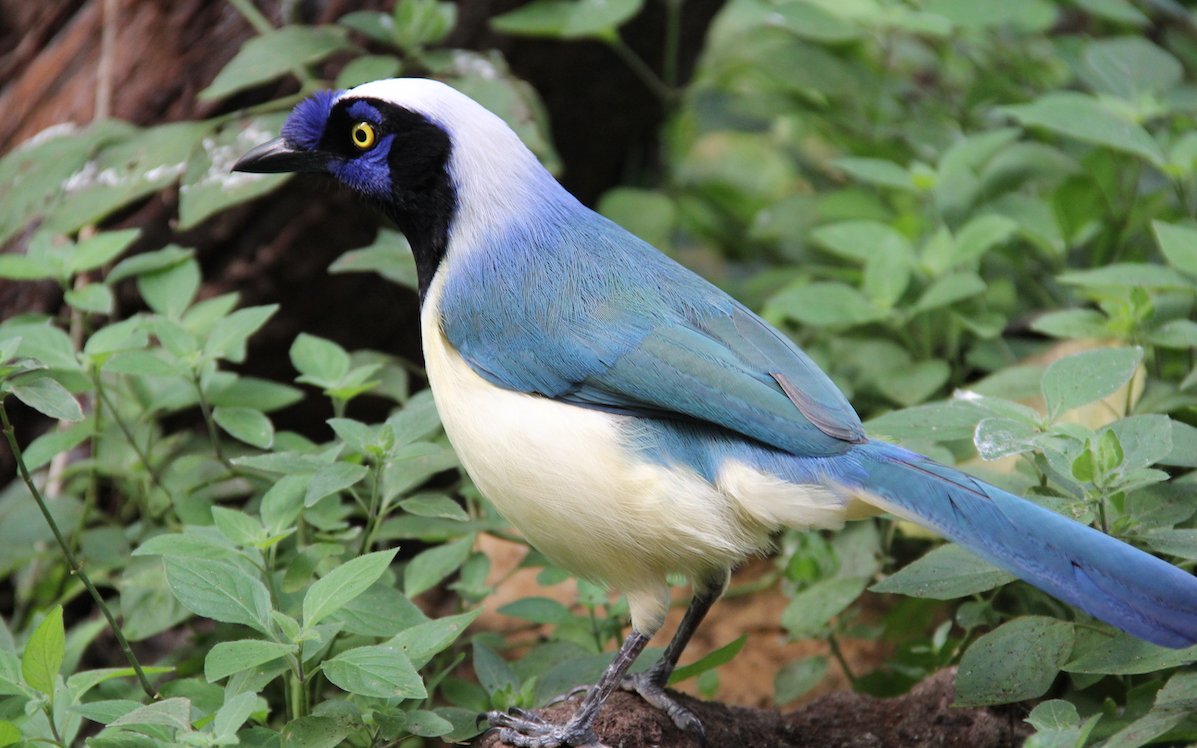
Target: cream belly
[[564, 477]]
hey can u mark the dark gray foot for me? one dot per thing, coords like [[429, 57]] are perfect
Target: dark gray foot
[[527, 730], [654, 693]]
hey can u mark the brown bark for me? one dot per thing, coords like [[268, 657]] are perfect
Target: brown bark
[[924, 718]]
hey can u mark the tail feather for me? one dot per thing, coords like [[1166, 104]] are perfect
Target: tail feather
[[1112, 581]]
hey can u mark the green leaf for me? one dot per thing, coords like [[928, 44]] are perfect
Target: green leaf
[[315, 732], [44, 652], [24, 268], [229, 657], [42, 449], [1127, 275], [998, 437], [824, 304], [229, 335], [949, 289], [945, 421], [1129, 67], [101, 249], [537, 610], [568, 19], [390, 256], [808, 21], [246, 424], [1118, 11], [860, 240], [1083, 117], [915, 382], [47, 396], [708, 662], [331, 592], [1179, 245], [379, 671], [1058, 725], [649, 214], [148, 262], [1079, 324], [425, 640], [945, 573], [1024, 15], [494, 673], [321, 362], [367, 68], [427, 724], [332, 479], [171, 290], [234, 713], [810, 610], [282, 503], [267, 56], [980, 235], [1018, 660], [421, 23], [174, 713], [1085, 377], [872, 170], [429, 567], [9, 733], [209, 184], [237, 526], [796, 677], [81, 683], [1119, 653], [95, 298], [219, 590]]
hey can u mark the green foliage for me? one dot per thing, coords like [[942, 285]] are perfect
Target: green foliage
[[980, 218]]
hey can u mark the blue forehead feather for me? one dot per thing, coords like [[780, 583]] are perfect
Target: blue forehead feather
[[305, 126], [363, 110]]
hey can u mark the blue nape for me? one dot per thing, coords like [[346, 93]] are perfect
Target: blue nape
[[305, 126]]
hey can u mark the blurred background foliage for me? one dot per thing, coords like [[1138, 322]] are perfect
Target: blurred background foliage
[[978, 217]]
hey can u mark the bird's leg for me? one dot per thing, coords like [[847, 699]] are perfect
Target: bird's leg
[[528, 731], [651, 683]]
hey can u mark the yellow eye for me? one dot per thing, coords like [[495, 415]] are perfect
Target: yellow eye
[[363, 135]]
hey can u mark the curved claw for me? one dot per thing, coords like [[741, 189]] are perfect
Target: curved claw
[[654, 693], [525, 729], [568, 694]]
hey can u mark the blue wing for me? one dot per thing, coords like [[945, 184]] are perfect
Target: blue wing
[[590, 315]]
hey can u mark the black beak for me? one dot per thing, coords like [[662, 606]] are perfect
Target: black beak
[[277, 156]]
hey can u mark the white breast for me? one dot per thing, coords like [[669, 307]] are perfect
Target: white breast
[[564, 477]]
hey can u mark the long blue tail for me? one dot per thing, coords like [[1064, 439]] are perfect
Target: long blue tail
[[1105, 577]]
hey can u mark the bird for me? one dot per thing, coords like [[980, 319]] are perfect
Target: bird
[[632, 420]]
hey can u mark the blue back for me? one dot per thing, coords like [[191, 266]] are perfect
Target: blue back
[[570, 306]]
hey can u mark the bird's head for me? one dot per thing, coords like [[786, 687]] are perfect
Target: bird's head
[[431, 158]]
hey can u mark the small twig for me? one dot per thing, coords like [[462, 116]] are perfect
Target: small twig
[[103, 106], [213, 434], [642, 70], [673, 29], [128, 432], [72, 560], [834, 643], [251, 14]]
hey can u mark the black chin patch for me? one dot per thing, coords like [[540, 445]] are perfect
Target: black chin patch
[[423, 200]]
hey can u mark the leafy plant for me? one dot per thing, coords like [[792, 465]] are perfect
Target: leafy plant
[[994, 200]]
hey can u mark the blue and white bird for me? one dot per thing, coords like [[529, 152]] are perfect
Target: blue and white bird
[[631, 419]]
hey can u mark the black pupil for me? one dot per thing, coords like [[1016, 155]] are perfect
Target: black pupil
[[360, 134]]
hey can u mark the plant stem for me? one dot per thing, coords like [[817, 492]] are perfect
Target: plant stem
[[645, 73], [372, 511], [673, 31], [72, 561], [834, 643], [252, 15], [141, 454], [213, 434]]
